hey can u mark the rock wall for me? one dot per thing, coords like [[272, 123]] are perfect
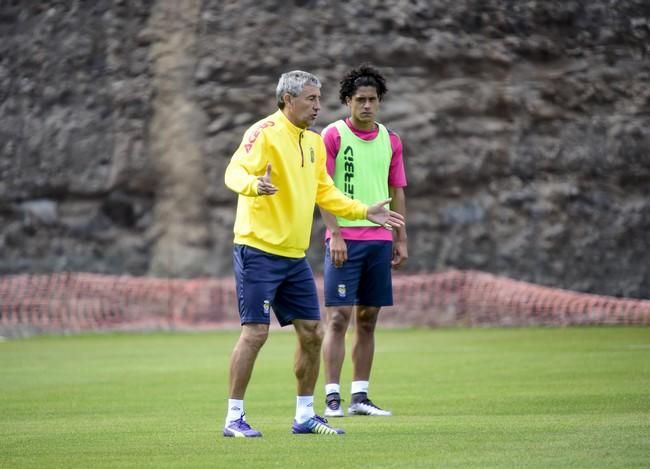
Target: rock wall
[[525, 125]]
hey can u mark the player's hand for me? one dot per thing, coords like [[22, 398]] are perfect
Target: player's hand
[[338, 250], [264, 185], [379, 214], [400, 254]]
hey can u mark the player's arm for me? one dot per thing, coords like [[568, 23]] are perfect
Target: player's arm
[[400, 245], [396, 184], [338, 248]]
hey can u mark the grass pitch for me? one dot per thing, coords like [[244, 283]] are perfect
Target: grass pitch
[[572, 397]]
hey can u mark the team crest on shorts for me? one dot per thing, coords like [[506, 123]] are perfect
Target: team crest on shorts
[[342, 290], [267, 307]]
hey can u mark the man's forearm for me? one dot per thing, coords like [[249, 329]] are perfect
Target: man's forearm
[[330, 222]]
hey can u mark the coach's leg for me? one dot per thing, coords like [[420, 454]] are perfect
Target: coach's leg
[[307, 356], [307, 364], [242, 360]]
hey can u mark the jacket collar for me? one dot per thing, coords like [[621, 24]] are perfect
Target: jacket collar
[[288, 124]]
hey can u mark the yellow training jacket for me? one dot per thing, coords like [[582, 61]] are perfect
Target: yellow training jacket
[[281, 223]]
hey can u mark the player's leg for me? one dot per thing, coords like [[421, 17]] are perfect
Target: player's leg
[[337, 321], [340, 288], [375, 291], [363, 348]]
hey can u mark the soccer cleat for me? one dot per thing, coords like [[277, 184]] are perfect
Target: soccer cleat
[[333, 405], [366, 407], [240, 429], [317, 425]]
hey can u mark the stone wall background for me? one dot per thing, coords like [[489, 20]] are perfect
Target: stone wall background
[[525, 125]]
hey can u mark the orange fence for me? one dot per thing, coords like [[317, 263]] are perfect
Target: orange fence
[[477, 298], [74, 302]]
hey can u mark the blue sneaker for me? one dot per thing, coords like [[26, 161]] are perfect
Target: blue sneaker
[[240, 429], [316, 425]]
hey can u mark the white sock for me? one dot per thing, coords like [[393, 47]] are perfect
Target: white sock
[[359, 386], [332, 388], [235, 410], [304, 408]]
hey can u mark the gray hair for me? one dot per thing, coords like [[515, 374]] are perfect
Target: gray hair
[[293, 83]]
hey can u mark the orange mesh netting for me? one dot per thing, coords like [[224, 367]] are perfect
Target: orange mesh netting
[[80, 301], [478, 298]]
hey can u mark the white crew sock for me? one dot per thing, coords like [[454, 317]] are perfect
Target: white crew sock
[[359, 386], [332, 388], [304, 408], [235, 410]]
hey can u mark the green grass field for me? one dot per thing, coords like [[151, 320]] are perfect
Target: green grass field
[[547, 398]]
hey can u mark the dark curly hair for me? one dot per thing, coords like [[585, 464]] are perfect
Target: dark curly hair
[[365, 75]]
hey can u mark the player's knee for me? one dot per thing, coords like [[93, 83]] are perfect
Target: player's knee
[[338, 320], [366, 327], [367, 320]]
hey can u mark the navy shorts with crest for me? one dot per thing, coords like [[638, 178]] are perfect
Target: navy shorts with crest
[[267, 281], [364, 279]]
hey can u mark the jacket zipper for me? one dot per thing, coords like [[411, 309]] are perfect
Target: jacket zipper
[[302, 155]]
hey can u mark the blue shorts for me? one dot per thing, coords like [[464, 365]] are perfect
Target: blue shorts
[[364, 279], [266, 281]]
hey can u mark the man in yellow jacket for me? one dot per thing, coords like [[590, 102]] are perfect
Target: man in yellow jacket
[[279, 173]]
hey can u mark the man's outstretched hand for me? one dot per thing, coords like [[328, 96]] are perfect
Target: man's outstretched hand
[[379, 214], [264, 185]]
